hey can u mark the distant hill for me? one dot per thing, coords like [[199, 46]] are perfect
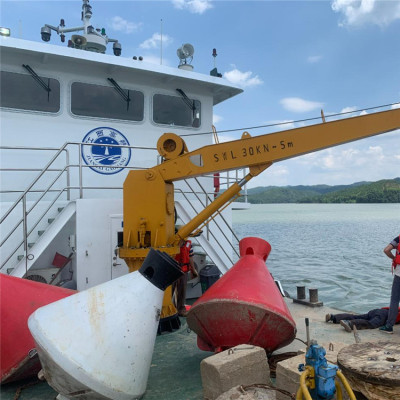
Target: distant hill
[[384, 191]]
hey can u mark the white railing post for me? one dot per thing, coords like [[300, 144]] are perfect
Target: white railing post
[[68, 175], [25, 231], [80, 172]]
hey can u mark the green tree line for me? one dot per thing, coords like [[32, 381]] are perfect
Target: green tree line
[[383, 191]]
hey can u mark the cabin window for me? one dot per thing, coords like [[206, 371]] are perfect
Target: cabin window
[[175, 110], [23, 92], [105, 102]]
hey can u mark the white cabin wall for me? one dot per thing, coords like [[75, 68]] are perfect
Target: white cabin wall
[[94, 244], [34, 129]]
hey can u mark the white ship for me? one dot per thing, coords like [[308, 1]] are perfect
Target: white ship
[[74, 122]]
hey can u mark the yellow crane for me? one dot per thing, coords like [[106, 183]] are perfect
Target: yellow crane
[[149, 194]]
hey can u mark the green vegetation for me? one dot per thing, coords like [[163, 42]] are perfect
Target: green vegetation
[[384, 191]]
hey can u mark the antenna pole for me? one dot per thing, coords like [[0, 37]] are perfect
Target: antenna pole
[[161, 41]]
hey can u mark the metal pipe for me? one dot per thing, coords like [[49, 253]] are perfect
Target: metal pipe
[[211, 233], [208, 197], [45, 192], [220, 201], [33, 183], [25, 230], [308, 332], [68, 176], [80, 171]]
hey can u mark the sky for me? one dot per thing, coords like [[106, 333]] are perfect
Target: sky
[[292, 58]]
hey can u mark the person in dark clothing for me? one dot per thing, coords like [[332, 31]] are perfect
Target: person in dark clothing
[[373, 319]]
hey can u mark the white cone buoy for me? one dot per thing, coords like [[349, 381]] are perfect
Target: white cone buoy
[[98, 344]]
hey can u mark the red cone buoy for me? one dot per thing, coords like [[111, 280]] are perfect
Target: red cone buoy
[[244, 306], [19, 298]]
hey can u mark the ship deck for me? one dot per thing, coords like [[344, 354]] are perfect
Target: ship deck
[[175, 367]]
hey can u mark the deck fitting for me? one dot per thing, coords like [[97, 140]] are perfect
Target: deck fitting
[[301, 297]]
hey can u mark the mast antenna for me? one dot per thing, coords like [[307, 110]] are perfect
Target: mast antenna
[[161, 49]]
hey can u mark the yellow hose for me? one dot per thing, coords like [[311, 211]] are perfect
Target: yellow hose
[[346, 385], [339, 394], [299, 394], [303, 385], [303, 392]]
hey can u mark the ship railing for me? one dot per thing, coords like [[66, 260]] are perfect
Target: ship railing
[[22, 199], [208, 200], [67, 188]]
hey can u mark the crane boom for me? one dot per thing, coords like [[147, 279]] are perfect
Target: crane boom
[[279, 146], [149, 194]]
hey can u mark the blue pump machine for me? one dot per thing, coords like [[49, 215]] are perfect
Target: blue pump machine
[[323, 387], [318, 381]]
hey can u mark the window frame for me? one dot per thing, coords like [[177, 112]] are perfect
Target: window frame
[[173, 125], [33, 111], [105, 118]]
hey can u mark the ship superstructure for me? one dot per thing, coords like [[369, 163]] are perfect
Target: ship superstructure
[[73, 123]]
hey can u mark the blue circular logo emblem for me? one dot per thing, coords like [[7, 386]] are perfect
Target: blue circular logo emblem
[[99, 150]]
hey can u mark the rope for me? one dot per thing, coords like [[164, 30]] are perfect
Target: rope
[[273, 360], [243, 389], [293, 122], [21, 388]]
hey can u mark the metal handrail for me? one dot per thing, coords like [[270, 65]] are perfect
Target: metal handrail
[[194, 209], [22, 198], [36, 149], [32, 184], [45, 168], [217, 212]]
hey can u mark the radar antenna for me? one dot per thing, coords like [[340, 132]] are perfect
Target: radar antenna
[[91, 39]]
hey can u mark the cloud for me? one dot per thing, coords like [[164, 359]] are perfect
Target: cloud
[[314, 59], [216, 119], [242, 79], [155, 40], [193, 6], [360, 12], [276, 175], [348, 158], [348, 109], [122, 25], [370, 159], [281, 125], [226, 138], [376, 152], [296, 104]]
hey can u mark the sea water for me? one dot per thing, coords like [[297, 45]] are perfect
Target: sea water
[[336, 248]]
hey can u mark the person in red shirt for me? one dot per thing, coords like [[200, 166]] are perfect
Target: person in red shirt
[[395, 295], [185, 259]]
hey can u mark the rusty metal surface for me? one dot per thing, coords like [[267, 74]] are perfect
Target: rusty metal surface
[[27, 367], [377, 363], [225, 323]]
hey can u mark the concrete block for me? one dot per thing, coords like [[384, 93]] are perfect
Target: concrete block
[[288, 374], [241, 365]]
